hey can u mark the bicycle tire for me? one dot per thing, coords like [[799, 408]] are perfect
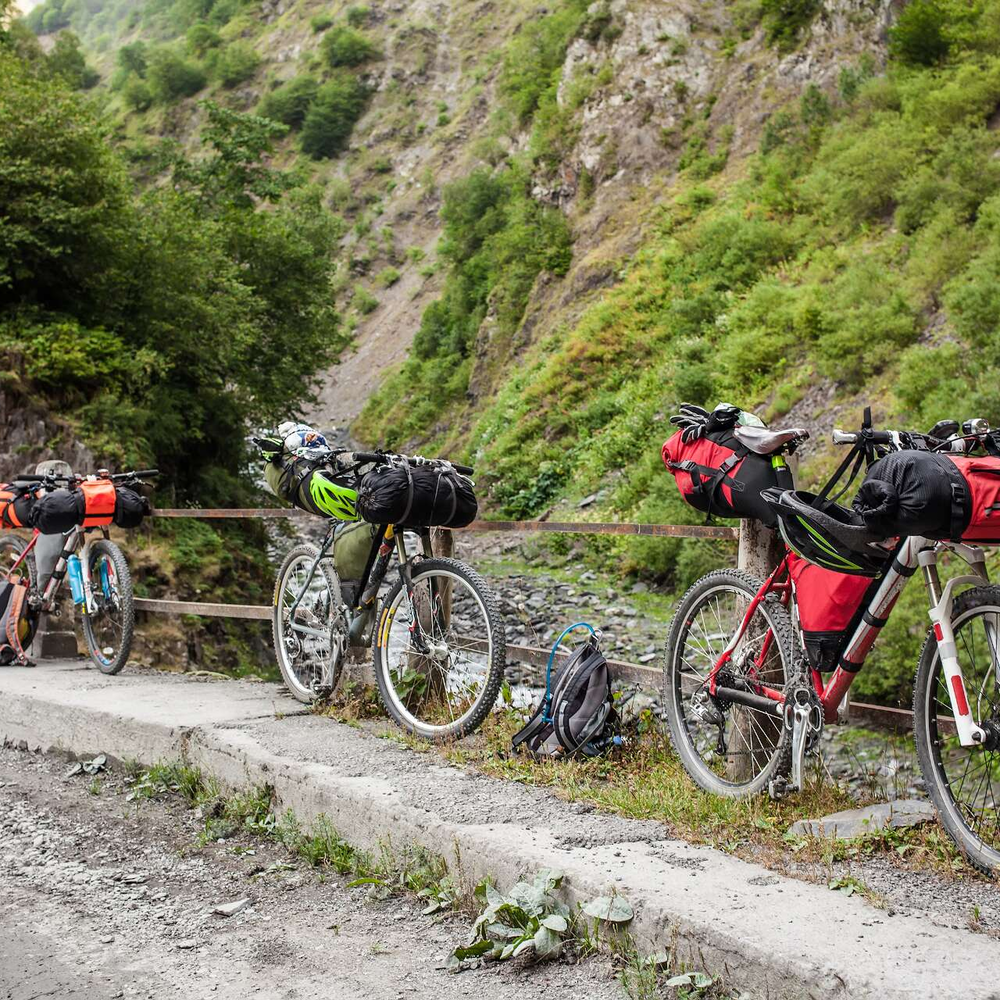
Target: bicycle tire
[[927, 706], [776, 616], [15, 545], [306, 693], [112, 663], [496, 653]]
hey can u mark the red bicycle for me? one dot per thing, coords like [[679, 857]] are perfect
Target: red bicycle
[[99, 578], [745, 705]]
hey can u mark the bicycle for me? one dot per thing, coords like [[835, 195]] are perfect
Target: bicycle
[[437, 642], [107, 608], [744, 706]]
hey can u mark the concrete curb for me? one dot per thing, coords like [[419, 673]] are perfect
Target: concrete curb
[[774, 936]]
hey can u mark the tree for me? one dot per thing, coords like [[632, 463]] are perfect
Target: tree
[[331, 116], [237, 63], [171, 76], [343, 46], [290, 102], [67, 60], [132, 58], [919, 36]]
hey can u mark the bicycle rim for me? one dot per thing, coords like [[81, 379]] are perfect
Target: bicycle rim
[[105, 627], [967, 779], [727, 748], [304, 646], [436, 677]]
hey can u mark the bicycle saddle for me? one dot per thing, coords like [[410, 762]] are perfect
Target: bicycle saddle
[[766, 442]]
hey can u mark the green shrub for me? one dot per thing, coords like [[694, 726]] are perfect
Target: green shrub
[[237, 63], [290, 102], [785, 20], [919, 37], [136, 94], [132, 58], [67, 61], [387, 277], [344, 46], [170, 76], [357, 16], [201, 37], [330, 119], [320, 22], [363, 300]]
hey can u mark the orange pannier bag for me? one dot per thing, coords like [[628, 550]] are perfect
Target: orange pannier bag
[[99, 495]]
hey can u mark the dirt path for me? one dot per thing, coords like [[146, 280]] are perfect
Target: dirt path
[[100, 898]]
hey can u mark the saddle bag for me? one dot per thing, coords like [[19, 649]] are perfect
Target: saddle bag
[[311, 486], [718, 475], [933, 494], [14, 626], [418, 496], [576, 715], [829, 605]]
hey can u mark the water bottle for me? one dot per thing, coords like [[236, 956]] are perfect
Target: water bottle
[[75, 574]]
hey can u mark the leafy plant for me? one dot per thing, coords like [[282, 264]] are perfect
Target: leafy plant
[[527, 918], [919, 37], [345, 46], [328, 123], [237, 63], [290, 103]]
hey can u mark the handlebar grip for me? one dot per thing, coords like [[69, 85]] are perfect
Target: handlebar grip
[[844, 437], [147, 472], [369, 456], [465, 470]]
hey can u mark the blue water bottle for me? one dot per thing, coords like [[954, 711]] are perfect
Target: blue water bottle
[[75, 574]]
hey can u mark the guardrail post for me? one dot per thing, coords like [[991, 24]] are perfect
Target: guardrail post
[[760, 549], [56, 638]]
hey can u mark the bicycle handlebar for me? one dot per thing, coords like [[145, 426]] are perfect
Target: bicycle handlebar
[[383, 458], [117, 477]]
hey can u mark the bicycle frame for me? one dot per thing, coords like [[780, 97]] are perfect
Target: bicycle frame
[[911, 554], [71, 543], [361, 614]]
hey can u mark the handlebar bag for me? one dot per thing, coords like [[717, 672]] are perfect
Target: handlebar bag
[[718, 475], [16, 503], [417, 496], [934, 495], [59, 510], [829, 605], [311, 486]]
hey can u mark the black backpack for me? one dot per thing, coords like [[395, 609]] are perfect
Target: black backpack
[[577, 714]]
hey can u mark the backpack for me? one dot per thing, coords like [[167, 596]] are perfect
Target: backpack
[[417, 496], [933, 494], [829, 606], [577, 714], [717, 474], [14, 625]]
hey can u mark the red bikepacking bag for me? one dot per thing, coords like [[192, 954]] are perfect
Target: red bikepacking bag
[[717, 474], [830, 605]]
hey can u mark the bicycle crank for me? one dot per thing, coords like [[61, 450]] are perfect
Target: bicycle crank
[[804, 719]]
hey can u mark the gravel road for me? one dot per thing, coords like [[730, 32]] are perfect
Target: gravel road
[[100, 898]]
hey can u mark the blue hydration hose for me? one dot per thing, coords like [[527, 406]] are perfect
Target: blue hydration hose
[[548, 669]]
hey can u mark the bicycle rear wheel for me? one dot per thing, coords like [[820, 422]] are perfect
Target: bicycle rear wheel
[[964, 782], [11, 547], [439, 653], [727, 749], [108, 631]]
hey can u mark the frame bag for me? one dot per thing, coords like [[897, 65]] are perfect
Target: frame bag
[[417, 496], [933, 494], [829, 605], [352, 544], [718, 475], [14, 627], [577, 714]]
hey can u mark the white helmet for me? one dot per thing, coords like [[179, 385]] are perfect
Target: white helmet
[[303, 440]]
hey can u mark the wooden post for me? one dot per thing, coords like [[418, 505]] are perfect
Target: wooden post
[[760, 550]]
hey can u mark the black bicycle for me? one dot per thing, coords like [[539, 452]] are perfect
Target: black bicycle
[[437, 642]]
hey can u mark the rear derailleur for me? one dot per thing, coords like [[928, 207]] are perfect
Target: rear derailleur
[[803, 722]]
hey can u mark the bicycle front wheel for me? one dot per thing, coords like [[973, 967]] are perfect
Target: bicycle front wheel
[[964, 782], [11, 547], [108, 631], [310, 634], [728, 749], [439, 652]]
